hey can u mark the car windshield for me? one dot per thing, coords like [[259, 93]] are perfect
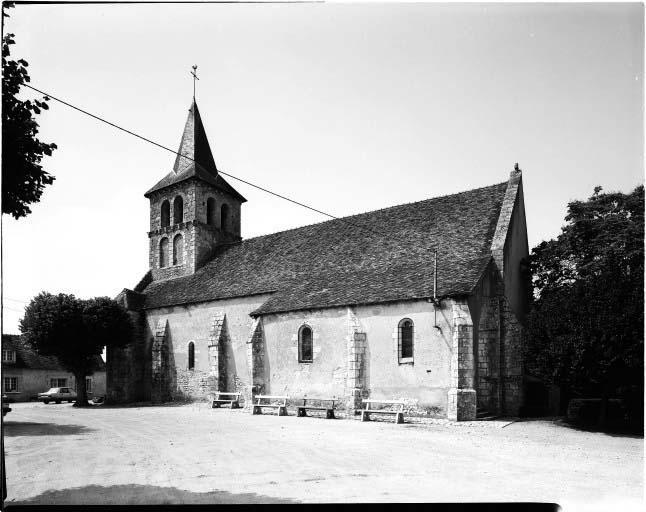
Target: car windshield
[[53, 390]]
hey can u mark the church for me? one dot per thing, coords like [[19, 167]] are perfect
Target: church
[[422, 302]]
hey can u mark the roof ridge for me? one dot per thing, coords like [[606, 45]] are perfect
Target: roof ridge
[[367, 212]]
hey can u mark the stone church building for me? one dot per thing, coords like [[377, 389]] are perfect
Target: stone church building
[[350, 308]]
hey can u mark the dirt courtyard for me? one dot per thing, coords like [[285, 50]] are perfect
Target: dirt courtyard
[[56, 454]]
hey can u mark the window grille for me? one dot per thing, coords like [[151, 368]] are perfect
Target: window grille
[[8, 356], [57, 383], [88, 385], [10, 384], [305, 349], [191, 355], [405, 340]]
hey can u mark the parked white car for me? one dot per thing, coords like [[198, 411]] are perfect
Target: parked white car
[[57, 395]]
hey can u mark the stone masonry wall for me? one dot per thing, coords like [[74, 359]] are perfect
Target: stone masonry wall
[[256, 359], [160, 391], [356, 388], [128, 368], [200, 239], [461, 395], [489, 355], [512, 342]]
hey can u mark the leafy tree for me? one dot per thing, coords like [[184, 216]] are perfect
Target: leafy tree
[[586, 329], [23, 178], [75, 331]]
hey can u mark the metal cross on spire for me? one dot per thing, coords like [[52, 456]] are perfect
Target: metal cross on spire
[[194, 73]]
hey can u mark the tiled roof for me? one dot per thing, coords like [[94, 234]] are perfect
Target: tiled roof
[[200, 163], [28, 358], [335, 263]]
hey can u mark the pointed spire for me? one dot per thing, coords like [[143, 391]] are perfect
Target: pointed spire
[[195, 146]]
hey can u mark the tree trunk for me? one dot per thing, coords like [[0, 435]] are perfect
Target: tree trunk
[[81, 398]]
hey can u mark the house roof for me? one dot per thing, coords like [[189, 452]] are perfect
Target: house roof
[[29, 359], [336, 263], [200, 163]]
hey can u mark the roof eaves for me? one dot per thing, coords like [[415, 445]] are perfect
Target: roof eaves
[[203, 301]]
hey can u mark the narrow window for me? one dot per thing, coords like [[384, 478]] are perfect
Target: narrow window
[[11, 384], [405, 339], [305, 344], [178, 250], [163, 253], [191, 355], [178, 210], [88, 385], [210, 211], [165, 214], [224, 217]]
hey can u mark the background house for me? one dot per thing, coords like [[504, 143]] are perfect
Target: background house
[[25, 373]]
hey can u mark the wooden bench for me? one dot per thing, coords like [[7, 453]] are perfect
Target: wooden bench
[[329, 411], [369, 409], [271, 401], [233, 402]]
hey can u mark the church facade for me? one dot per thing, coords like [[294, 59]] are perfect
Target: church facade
[[422, 302]]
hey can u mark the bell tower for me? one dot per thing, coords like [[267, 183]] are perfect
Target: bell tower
[[192, 209]]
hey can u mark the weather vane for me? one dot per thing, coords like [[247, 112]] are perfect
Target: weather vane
[[194, 73]]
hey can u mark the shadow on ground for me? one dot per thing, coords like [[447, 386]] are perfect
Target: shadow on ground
[[140, 495], [20, 428], [634, 432]]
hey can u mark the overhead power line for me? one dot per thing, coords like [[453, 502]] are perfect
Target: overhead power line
[[98, 118]]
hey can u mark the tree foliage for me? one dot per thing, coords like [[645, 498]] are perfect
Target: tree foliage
[[586, 329], [75, 331], [23, 178]]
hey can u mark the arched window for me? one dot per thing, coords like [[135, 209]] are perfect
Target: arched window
[[305, 344], [210, 211], [165, 214], [191, 355], [163, 253], [405, 341], [178, 250], [224, 217], [178, 210]]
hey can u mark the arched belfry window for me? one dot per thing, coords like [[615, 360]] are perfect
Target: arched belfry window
[[405, 340], [305, 349], [191, 355], [178, 210], [165, 214], [163, 253], [210, 211], [224, 217], [178, 250]]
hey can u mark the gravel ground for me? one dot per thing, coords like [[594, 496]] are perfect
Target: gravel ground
[[57, 454]]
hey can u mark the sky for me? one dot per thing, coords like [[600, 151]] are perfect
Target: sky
[[346, 107]]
